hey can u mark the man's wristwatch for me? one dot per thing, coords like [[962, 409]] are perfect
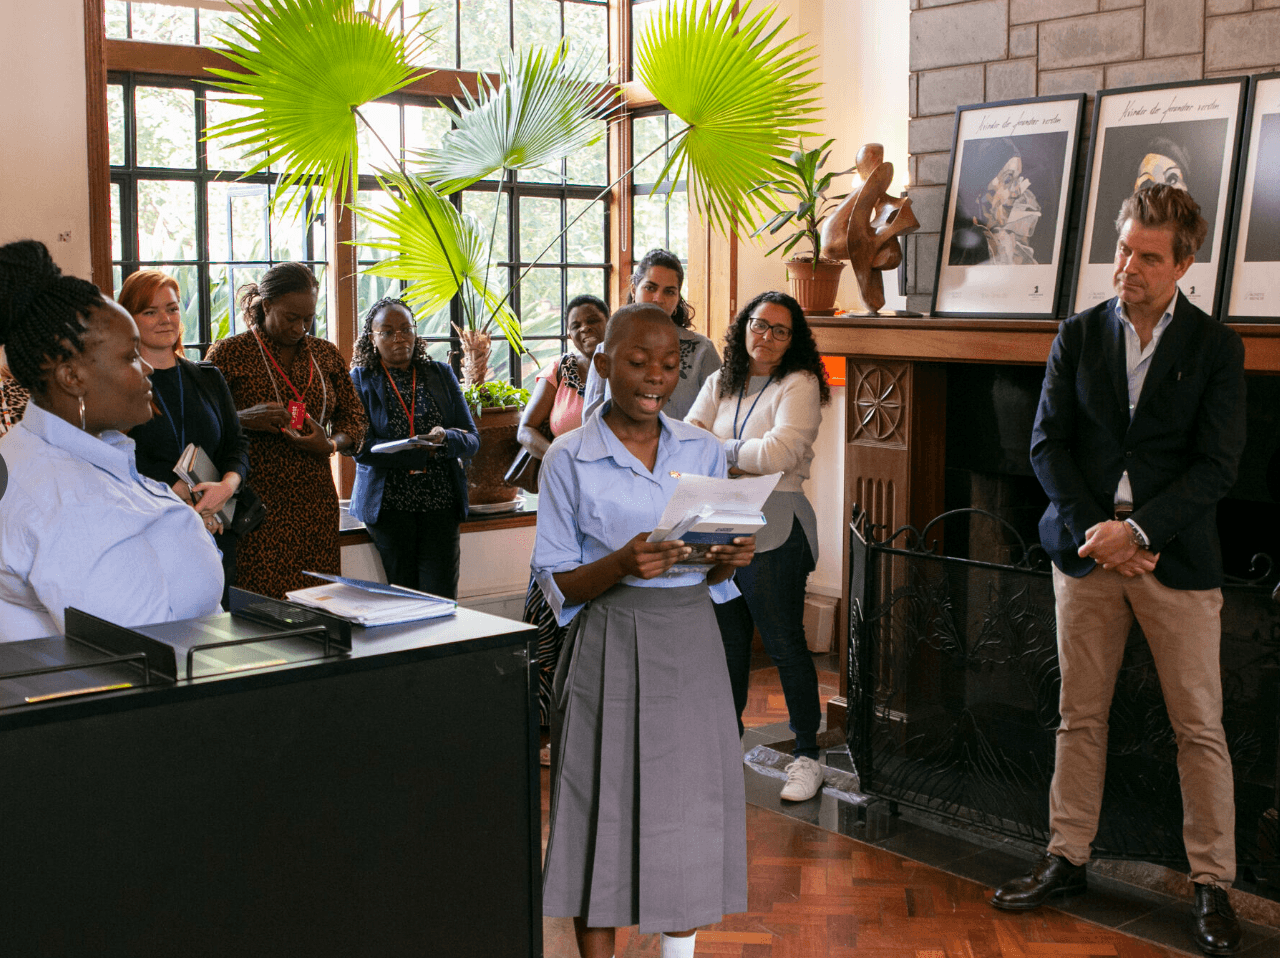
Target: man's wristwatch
[[1135, 534]]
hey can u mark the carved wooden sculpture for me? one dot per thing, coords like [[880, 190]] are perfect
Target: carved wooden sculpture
[[865, 228]]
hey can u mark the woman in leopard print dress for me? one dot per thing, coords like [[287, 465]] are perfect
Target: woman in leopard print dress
[[270, 368]]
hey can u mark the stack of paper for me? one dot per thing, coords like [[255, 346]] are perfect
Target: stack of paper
[[371, 603], [704, 511]]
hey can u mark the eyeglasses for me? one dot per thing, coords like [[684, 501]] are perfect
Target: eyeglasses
[[395, 333], [760, 327]]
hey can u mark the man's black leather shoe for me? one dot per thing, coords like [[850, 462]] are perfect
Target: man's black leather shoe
[[1052, 875], [1214, 923]]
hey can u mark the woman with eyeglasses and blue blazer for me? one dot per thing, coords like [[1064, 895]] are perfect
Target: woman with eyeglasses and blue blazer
[[411, 502]]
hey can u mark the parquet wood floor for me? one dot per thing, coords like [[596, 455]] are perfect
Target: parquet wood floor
[[815, 893]]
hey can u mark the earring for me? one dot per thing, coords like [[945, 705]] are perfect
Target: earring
[[83, 425]]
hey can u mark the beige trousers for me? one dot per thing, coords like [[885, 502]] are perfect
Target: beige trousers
[[1183, 629]]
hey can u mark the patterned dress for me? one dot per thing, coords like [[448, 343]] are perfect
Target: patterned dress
[[13, 403], [301, 528]]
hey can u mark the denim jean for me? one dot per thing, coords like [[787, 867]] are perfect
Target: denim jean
[[419, 550], [773, 601]]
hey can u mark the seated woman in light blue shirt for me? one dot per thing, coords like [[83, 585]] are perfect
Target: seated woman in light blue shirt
[[79, 526], [647, 817]]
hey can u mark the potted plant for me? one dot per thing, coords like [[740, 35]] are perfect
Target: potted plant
[[305, 69], [815, 280]]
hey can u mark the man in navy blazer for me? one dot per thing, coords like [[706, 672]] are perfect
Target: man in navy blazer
[[1138, 435]]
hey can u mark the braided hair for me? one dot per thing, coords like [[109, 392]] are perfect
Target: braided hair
[[683, 316], [280, 280], [802, 355], [43, 314], [365, 354]]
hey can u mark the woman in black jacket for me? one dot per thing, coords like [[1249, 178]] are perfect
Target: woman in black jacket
[[192, 405]]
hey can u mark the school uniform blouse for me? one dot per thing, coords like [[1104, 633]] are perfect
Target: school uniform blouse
[[698, 360], [595, 496], [80, 527], [775, 432]]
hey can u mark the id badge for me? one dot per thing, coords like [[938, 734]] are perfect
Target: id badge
[[297, 414]]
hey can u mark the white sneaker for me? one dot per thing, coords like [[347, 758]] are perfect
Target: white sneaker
[[804, 780]]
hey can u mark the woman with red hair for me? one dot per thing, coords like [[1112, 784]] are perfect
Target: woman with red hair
[[192, 404]]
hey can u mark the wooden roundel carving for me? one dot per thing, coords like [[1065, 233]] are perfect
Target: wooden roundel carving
[[878, 404]]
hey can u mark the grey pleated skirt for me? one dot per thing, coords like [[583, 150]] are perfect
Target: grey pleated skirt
[[648, 809]]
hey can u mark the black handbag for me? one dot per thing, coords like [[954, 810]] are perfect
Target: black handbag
[[250, 511], [523, 471]]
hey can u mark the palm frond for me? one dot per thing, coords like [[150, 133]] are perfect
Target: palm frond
[[742, 93], [545, 106], [308, 65], [438, 250]]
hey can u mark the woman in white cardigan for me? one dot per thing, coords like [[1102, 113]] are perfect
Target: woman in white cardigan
[[765, 403]]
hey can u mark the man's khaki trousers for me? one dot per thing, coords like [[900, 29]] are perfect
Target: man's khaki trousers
[[1183, 629]]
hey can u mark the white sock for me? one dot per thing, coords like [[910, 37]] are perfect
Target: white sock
[[677, 947]]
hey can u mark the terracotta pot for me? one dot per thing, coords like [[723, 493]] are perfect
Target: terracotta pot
[[498, 447], [814, 285]]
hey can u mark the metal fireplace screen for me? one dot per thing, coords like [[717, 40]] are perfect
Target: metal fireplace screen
[[953, 695]]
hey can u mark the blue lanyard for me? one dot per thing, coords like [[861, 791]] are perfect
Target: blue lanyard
[[736, 433], [181, 436]]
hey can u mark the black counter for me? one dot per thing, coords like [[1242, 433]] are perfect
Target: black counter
[[383, 802]]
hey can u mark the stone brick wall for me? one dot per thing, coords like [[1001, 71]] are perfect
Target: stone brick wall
[[982, 51]]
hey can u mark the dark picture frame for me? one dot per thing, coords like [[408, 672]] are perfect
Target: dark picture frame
[[1251, 288], [1184, 133], [1008, 203]]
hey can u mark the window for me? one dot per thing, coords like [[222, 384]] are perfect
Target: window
[[178, 204]]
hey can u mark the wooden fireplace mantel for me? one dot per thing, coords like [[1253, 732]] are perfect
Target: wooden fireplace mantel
[[896, 395], [1013, 341], [1017, 341]]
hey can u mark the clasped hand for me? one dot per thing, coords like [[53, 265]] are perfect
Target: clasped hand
[[1109, 544], [311, 439]]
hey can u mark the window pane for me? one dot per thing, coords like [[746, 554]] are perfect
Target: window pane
[[220, 154], [440, 352], [385, 119], [485, 32], [166, 220], [540, 304], [117, 22], [537, 23], [117, 234], [370, 289], [321, 328], [289, 233], [238, 221], [647, 134], [579, 281], [115, 123], [589, 167], [585, 239], [539, 226], [436, 325], [217, 23], [678, 226], [588, 27], [117, 277], [481, 205], [441, 22], [641, 12], [166, 127], [165, 24], [649, 223], [424, 127], [366, 229]]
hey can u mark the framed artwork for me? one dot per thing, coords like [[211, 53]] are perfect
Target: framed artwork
[[1183, 134], [1007, 201], [1252, 289]]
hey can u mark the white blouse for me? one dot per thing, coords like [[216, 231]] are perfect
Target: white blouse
[[80, 527]]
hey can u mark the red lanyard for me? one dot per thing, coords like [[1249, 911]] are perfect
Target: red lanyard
[[287, 381], [413, 394]]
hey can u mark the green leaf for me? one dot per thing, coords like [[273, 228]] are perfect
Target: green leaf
[[439, 251], [742, 93], [309, 64], [544, 107]]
